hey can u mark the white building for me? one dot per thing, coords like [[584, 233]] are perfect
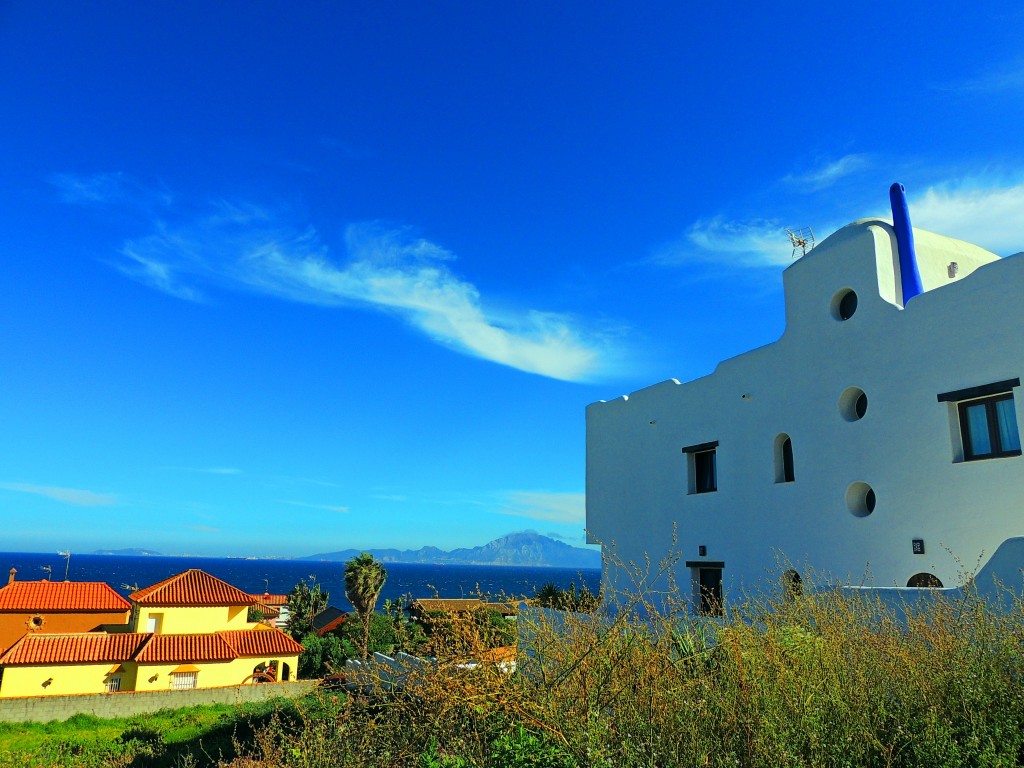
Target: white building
[[872, 443]]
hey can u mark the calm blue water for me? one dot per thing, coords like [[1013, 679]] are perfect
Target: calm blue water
[[125, 574]]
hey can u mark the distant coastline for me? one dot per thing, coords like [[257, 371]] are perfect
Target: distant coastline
[[514, 550]]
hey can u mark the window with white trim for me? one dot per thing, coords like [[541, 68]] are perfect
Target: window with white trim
[[987, 417], [183, 680], [702, 467], [113, 684]]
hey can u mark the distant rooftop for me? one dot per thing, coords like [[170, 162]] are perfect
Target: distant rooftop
[[61, 596]]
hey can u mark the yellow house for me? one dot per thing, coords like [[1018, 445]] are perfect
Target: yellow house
[[196, 635], [193, 601]]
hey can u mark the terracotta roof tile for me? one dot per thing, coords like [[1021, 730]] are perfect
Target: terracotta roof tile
[[268, 611], [268, 599], [61, 596], [260, 642], [81, 647], [193, 587], [180, 648]]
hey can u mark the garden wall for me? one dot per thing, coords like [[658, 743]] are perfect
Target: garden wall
[[128, 703]]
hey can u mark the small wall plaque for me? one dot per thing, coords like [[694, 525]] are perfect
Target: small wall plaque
[[702, 550], [918, 546]]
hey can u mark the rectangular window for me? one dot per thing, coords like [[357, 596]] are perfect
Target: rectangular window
[[987, 420], [702, 467], [182, 680], [113, 684], [989, 427]]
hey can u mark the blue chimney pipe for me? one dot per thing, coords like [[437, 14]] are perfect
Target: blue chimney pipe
[[910, 277]]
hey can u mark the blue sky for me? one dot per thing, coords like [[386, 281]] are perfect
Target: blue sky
[[286, 278]]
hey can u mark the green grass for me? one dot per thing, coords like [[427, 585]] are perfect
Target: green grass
[[188, 737]]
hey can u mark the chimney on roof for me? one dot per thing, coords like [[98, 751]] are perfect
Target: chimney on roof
[[10, 578]]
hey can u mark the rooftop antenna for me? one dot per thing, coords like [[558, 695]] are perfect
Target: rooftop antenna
[[66, 554], [131, 587], [801, 239], [48, 569]]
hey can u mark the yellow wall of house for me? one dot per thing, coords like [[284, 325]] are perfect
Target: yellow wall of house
[[175, 620], [65, 679], [157, 677], [69, 679]]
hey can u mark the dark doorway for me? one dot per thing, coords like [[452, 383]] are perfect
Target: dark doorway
[[711, 592]]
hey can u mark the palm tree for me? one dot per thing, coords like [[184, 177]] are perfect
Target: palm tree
[[364, 579]]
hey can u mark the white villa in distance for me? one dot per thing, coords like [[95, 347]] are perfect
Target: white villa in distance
[[876, 443]]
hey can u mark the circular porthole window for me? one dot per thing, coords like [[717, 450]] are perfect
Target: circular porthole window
[[36, 622], [860, 499], [853, 404], [844, 304]]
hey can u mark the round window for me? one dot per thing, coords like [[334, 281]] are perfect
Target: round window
[[844, 304], [853, 404], [860, 499]]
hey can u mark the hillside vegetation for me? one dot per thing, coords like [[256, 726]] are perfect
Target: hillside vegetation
[[817, 679]]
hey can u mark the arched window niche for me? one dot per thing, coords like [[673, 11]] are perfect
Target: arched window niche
[[924, 581], [784, 459]]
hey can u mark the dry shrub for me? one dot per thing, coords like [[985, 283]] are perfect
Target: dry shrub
[[826, 678]]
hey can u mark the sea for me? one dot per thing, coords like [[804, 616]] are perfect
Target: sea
[[127, 573]]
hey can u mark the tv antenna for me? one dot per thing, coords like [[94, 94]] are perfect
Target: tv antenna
[[48, 569], [66, 554], [801, 239]]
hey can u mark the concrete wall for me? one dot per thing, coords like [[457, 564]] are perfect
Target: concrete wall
[[965, 331], [45, 709]]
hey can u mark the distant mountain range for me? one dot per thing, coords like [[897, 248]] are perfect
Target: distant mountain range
[[526, 548]]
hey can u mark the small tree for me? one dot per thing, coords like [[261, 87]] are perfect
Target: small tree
[[321, 656], [364, 579], [304, 603]]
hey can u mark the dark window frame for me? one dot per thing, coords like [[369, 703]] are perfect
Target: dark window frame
[[992, 422], [705, 478]]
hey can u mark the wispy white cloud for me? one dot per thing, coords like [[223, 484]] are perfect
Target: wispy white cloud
[[541, 505], [76, 496], [1007, 77], [829, 173], [989, 215], [104, 189], [156, 274], [326, 507], [738, 244], [209, 470], [385, 269], [983, 210]]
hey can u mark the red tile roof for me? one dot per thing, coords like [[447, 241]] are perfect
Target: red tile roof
[[193, 587], [268, 611], [268, 599], [74, 648], [61, 596], [260, 642], [167, 648]]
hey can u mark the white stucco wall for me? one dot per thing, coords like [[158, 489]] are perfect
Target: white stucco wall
[[964, 331]]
